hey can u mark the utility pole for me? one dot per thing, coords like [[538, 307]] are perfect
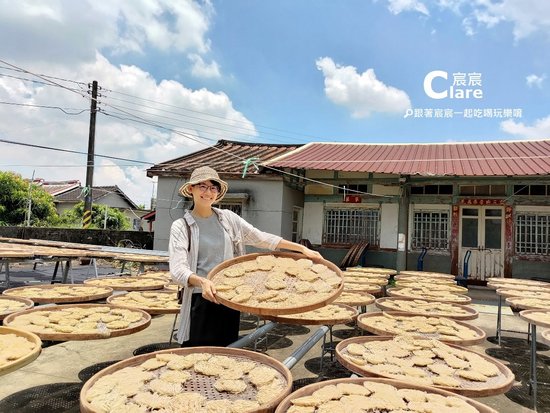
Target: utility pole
[[87, 216], [29, 205]]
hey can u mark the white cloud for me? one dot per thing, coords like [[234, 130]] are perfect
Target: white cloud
[[203, 69], [526, 16], [362, 93], [399, 6], [71, 40], [56, 30], [540, 129], [535, 80]]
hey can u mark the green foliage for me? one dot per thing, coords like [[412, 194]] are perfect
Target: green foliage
[[14, 202], [115, 219]]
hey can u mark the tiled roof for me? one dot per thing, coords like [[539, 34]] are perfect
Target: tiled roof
[[510, 158], [98, 192], [226, 157], [57, 187]]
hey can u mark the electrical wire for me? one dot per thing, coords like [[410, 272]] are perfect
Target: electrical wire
[[71, 151], [64, 110]]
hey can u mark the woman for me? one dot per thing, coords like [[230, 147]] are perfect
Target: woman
[[203, 238]]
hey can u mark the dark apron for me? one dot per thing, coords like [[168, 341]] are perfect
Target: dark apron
[[211, 324]]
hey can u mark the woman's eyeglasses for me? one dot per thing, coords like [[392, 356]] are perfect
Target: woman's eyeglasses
[[213, 188]]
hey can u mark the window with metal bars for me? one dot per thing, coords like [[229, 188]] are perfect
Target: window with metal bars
[[236, 208], [430, 230], [533, 234], [351, 225]]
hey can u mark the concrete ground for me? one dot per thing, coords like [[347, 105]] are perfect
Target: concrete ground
[[52, 382]]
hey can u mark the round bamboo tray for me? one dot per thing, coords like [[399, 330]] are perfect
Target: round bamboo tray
[[127, 283], [410, 293], [116, 300], [101, 334], [24, 302], [495, 385], [519, 303], [457, 311], [363, 322], [362, 288], [367, 275], [448, 286], [172, 287], [26, 359], [354, 299], [373, 270], [15, 254], [352, 279], [159, 275], [529, 316], [198, 382], [286, 404], [77, 298], [142, 258], [310, 318], [512, 292], [414, 280], [258, 284], [546, 336], [496, 283], [424, 274]]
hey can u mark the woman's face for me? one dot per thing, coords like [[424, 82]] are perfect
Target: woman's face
[[205, 193]]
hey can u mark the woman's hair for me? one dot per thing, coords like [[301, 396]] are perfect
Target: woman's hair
[[217, 185]]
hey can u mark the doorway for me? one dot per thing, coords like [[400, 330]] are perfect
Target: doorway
[[481, 237]]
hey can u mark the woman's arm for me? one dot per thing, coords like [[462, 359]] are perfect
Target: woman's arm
[[293, 246]]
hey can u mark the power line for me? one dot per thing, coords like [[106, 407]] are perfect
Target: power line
[[202, 113], [71, 151], [64, 110]]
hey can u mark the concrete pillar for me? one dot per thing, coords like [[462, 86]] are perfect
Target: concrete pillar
[[403, 226]]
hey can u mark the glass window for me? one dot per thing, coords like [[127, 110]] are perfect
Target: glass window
[[493, 233], [469, 232]]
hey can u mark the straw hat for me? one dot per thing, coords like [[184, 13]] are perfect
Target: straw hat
[[204, 173]]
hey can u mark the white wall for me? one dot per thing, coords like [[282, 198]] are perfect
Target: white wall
[[388, 225], [313, 222]]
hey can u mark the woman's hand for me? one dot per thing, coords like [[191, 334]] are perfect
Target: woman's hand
[[207, 286], [310, 253], [208, 290]]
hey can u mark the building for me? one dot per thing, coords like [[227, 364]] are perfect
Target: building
[[67, 194], [265, 198], [484, 206]]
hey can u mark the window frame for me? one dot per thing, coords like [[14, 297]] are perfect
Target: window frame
[[370, 232]]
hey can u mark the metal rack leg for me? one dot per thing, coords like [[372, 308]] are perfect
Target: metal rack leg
[[499, 318], [533, 381]]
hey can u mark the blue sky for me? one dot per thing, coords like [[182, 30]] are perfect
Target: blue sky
[[286, 71]]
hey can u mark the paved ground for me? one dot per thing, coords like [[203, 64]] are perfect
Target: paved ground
[[52, 382]]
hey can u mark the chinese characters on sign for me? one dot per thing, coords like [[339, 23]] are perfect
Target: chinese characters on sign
[[470, 201]]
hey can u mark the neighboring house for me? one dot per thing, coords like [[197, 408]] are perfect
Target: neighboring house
[[486, 201], [266, 199], [67, 194]]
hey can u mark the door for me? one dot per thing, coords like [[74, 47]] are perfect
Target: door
[[481, 233]]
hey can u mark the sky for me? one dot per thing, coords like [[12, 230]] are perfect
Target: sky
[[176, 76]]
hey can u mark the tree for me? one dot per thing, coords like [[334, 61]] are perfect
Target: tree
[[115, 218], [14, 202]]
